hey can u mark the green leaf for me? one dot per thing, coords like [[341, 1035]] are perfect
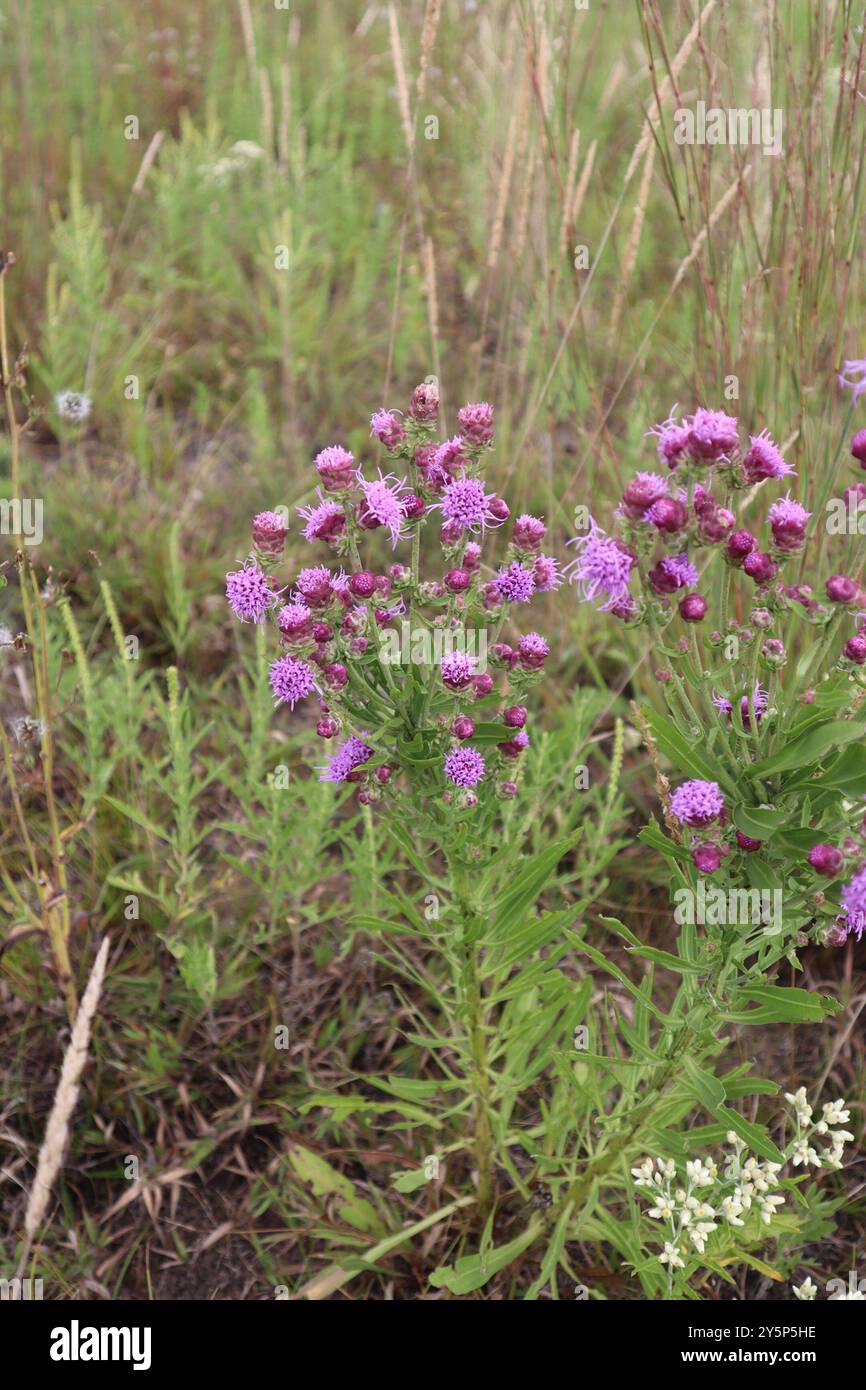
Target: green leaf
[[530, 938], [529, 882], [666, 959], [677, 748], [472, 1272], [811, 747], [138, 817], [848, 772], [754, 1136], [759, 822], [708, 1088], [198, 968], [409, 1180], [783, 1004]]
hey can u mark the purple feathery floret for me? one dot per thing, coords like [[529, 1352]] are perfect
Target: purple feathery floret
[[785, 511], [464, 766], [601, 570], [761, 701], [764, 459], [351, 753], [336, 468], [673, 440], [476, 423], [852, 921], [449, 460], [291, 680], [697, 803], [466, 504], [457, 669], [388, 428], [545, 572], [250, 593], [713, 435], [680, 568], [383, 502], [324, 519], [514, 584]]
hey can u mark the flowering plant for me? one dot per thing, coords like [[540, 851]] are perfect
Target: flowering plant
[[763, 691], [432, 742], [709, 1213], [435, 745]]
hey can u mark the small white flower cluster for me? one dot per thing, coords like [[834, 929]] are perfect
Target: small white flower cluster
[[833, 1113], [694, 1205], [73, 407], [242, 154]]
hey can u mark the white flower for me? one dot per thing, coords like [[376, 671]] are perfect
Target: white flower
[[73, 407], [698, 1234], [644, 1172], [731, 1208], [667, 1167], [671, 1256], [804, 1153], [663, 1210], [806, 1291], [700, 1174], [768, 1208], [835, 1112]]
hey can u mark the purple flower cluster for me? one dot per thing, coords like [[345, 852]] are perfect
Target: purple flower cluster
[[335, 622]]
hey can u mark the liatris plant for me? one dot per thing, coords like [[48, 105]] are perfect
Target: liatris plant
[[430, 740], [762, 674]]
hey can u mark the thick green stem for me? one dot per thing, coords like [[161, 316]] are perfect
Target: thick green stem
[[472, 1002]]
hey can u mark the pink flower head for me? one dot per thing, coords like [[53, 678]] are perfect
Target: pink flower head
[[350, 754], [855, 367], [673, 440], [269, 532], [672, 573], [315, 585], [853, 899], [713, 435], [545, 572], [761, 701], [388, 428], [476, 423], [324, 519], [294, 620], [466, 505], [514, 584], [529, 531], [513, 747], [602, 569], [457, 669], [424, 402], [450, 459], [642, 491], [764, 459], [336, 468], [697, 803], [788, 522], [464, 767], [250, 593], [383, 503], [533, 651], [291, 680]]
